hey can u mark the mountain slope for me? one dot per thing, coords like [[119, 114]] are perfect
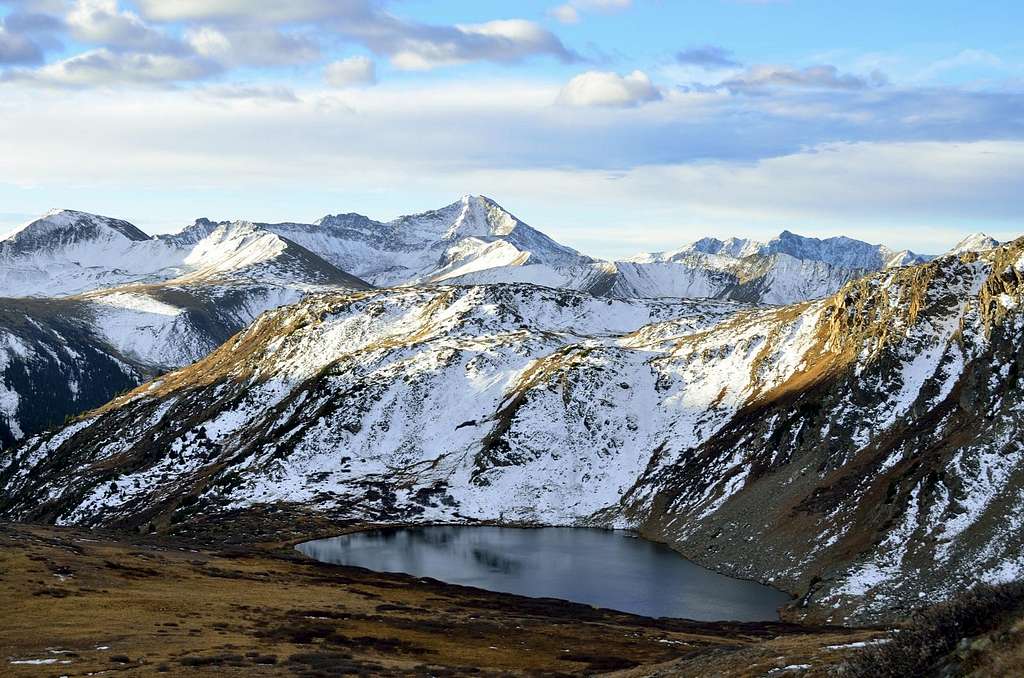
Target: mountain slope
[[61, 357], [383, 372], [470, 235], [54, 365], [470, 242], [784, 270], [151, 304], [66, 253], [841, 251], [861, 450], [977, 242]]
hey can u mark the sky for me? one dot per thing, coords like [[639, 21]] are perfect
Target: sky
[[615, 126]]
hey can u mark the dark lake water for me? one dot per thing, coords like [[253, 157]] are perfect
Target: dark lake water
[[597, 567]]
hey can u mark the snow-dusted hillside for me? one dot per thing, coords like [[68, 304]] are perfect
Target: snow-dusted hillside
[[862, 450], [57, 355], [784, 270], [54, 365], [472, 235], [841, 252], [977, 242], [122, 301], [66, 253]]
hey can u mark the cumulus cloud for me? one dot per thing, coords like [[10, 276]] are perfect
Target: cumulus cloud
[[762, 77], [352, 72], [708, 57], [26, 35], [601, 88], [252, 47], [18, 49], [570, 12], [422, 47], [103, 67], [271, 12], [233, 34], [33, 22], [567, 14], [409, 44], [101, 22]]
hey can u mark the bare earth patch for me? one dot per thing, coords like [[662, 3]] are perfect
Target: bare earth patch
[[78, 602]]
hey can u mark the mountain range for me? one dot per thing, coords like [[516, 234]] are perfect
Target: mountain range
[[835, 418], [139, 305]]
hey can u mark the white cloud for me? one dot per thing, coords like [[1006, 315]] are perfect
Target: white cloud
[[18, 49], [440, 141], [208, 41], [277, 93], [600, 88], [270, 12], [566, 13], [507, 40], [252, 47], [571, 11], [234, 34], [354, 71], [103, 67], [101, 22], [763, 76]]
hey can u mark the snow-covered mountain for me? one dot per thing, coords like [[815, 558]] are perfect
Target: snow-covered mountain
[[162, 302], [124, 307], [840, 252], [470, 242], [472, 235], [784, 270], [67, 252], [475, 241], [757, 279], [862, 450], [977, 242], [60, 357]]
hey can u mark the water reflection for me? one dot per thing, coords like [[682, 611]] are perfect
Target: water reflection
[[589, 566]]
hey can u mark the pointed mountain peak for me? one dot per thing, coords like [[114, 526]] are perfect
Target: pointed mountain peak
[[64, 226], [482, 200], [976, 242]]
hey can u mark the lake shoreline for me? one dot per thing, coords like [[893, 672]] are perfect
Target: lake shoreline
[[163, 600]]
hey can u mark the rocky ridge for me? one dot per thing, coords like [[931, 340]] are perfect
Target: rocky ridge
[[861, 451]]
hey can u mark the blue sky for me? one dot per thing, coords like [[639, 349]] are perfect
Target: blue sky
[[614, 125]]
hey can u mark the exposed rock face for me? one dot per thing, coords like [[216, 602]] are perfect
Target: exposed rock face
[[468, 236], [862, 450], [53, 366], [977, 242], [163, 302], [61, 357], [66, 253], [121, 306]]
